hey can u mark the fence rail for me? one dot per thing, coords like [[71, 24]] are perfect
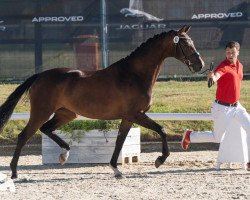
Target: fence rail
[[154, 116]]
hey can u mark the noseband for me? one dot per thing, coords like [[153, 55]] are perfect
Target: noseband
[[185, 58]]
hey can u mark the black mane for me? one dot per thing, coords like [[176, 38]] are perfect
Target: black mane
[[145, 45]]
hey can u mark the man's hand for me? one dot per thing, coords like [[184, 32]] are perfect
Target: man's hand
[[210, 75], [214, 76]]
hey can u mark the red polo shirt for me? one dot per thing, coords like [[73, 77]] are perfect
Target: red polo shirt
[[228, 85]]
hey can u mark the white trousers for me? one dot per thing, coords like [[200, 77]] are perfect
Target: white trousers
[[222, 116]]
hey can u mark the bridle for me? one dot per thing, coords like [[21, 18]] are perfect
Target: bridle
[[185, 58]]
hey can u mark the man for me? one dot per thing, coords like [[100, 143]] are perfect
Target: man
[[226, 107]]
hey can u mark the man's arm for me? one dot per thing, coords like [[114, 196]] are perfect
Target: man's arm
[[215, 76]]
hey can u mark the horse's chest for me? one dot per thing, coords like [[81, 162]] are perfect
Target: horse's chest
[[144, 102]]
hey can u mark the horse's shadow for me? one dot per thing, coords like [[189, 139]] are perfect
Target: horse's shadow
[[34, 170], [52, 166], [91, 175], [188, 171], [50, 180], [73, 166]]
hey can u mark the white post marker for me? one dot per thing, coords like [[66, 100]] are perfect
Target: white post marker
[[7, 184]]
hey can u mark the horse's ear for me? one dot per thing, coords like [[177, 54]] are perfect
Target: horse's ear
[[184, 29]]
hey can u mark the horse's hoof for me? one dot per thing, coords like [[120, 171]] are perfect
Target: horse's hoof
[[119, 176], [159, 161], [14, 176], [63, 157]]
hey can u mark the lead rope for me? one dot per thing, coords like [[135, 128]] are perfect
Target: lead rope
[[210, 80]]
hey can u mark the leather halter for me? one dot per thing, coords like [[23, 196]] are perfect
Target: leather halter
[[185, 58]]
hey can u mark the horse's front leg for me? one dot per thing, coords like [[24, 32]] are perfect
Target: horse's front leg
[[122, 134], [143, 120]]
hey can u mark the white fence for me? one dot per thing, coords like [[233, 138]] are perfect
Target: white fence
[[154, 116]]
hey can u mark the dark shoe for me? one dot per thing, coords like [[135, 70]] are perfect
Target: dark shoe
[[248, 166], [185, 139]]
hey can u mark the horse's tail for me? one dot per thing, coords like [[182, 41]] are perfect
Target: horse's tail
[[7, 108]]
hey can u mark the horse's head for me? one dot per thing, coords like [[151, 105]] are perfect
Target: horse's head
[[185, 50]]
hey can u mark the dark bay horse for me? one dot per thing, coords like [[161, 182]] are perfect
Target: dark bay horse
[[121, 91]]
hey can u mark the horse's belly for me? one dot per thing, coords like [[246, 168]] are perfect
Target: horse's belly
[[100, 115], [98, 110]]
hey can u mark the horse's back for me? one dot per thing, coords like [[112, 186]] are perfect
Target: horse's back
[[51, 84], [59, 73], [72, 89]]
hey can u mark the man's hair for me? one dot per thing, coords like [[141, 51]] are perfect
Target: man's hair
[[233, 44]]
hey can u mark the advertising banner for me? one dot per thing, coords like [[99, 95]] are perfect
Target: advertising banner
[[219, 20], [63, 33]]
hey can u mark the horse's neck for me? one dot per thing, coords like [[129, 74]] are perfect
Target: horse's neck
[[148, 66]]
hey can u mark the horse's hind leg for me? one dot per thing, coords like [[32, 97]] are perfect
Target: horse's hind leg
[[23, 137], [62, 116], [143, 120], [122, 134]]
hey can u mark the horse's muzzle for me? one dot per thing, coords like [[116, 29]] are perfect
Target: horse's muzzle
[[194, 62], [196, 65]]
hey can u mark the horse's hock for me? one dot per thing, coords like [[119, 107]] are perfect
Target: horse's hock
[[93, 147]]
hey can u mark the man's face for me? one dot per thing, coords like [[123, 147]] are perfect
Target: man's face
[[232, 54]]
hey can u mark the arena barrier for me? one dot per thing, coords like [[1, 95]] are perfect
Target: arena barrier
[[130, 152], [223, 153], [154, 116]]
